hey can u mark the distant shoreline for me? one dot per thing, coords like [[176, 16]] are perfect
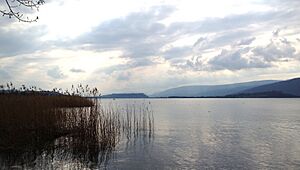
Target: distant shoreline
[[268, 94], [214, 97]]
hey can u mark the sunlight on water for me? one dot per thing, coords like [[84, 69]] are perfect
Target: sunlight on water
[[219, 134], [190, 134]]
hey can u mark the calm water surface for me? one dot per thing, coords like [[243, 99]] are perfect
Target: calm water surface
[[206, 134], [217, 134]]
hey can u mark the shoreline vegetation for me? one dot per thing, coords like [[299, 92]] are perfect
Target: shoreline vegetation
[[32, 121]]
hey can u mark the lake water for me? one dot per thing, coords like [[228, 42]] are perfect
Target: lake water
[[208, 134], [217, 134]]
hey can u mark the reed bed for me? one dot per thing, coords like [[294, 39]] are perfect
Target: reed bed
[[106, 127], [26, 120], [32, 124]]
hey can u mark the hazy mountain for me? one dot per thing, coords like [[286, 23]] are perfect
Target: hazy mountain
[[291, 87], [267, 94], [125, 95], [211, 90]]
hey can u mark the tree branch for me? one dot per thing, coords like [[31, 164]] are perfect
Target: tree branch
[[13, 5]]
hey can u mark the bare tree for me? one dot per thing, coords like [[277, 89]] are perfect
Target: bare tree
[[14, 9]]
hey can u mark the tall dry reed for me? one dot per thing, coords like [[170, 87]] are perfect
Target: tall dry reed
[[33, 123]]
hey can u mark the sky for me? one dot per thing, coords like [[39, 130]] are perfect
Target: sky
[[151, 45]]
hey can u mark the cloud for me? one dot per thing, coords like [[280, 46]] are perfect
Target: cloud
[[131, 64], [124, 76], [74, 70], [141, 35], [224, 38], [137, 35], [276, 32], [195, 64], [219, 25], [289, 4], [236, 60], [4, 75], [276, 50], [234, 42], [246, 41], [177, 52], [55, 73], [20, 41], [241, 56], [233, 59]]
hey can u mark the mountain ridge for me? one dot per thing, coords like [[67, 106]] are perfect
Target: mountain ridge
[[291, 86], [211, 90], [125, 95]]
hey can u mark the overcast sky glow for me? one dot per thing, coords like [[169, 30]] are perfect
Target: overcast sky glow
[[150, 45]]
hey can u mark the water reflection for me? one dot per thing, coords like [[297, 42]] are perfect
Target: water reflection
[[189, 134], [230, 134], [92, 147], [65, 152]]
